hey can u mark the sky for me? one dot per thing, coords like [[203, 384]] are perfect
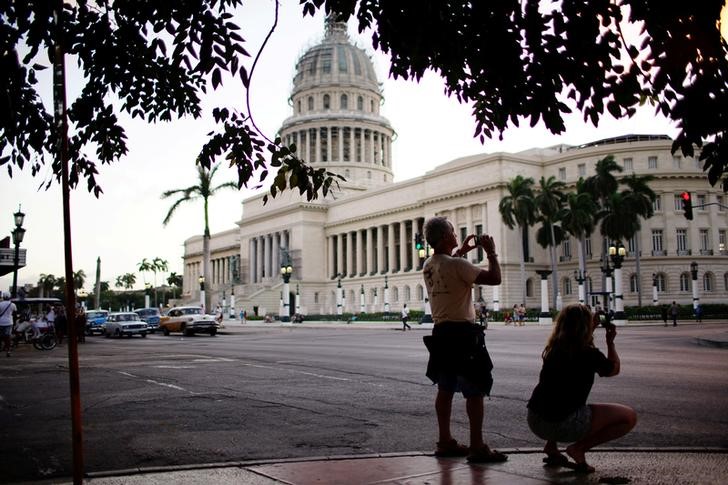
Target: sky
[[124, 225]]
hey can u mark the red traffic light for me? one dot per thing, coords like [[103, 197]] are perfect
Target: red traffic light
[[687, 203], [685, 195]]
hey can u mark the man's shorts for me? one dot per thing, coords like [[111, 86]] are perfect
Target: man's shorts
[[454, 383], [6, 330], [572, 428]]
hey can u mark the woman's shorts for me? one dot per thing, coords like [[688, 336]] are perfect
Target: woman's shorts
[[6, 330], [573, 428], [454, 383]]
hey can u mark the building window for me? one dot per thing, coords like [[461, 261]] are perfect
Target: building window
[[657, 240], [657, 203], [704, 240], [371, 106], [678, 202], [316, 297], [631, 245], [347, 174], [344, 101], [725, 281], [562, 173], [420, 293], [684, 282], [310, 103], [697, 164], [581, 169], [651, 162], [567, 286], [327, 101], [682, 239], [369, 174], [628, 165], [407, 294], [719, 200], [676, 161], [634, 284], [299, 106], [708, 282], [529, 287], [566, 249], [588, 246], [721, 241], [700, 198], [661, 284], [360, 103], [395, 294]]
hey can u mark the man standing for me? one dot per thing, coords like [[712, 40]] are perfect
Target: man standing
[[673, 312], [459, 360], [7, 314], [405, 318]]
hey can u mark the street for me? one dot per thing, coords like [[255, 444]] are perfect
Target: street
[[302, 392]]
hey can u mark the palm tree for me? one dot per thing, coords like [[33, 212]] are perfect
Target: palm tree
[[145, 266], [203, 190], [579, 219], [46, 282], [550, 201], [175, 281], [518, 209], [157, 264], [127, 281], [79, 278]]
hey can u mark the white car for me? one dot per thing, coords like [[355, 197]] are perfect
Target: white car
[[125, 323], [189, 320]]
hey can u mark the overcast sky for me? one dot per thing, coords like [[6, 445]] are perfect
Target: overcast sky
[[124, 225]]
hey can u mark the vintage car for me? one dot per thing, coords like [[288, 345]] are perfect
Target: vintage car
[[189, 320], [96, 319], [150, 316], [124, 323]]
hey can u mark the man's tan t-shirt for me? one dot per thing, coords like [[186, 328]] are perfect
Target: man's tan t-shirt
[[449, 282]]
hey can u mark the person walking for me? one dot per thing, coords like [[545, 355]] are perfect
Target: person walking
[[61, 324], [673, 312], [558, 409], [459, 360], [7, 317], [405, 318]]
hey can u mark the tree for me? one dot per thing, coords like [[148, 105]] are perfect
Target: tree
[[518, 209], [79, 278], [126, 281], [557, 57], [158, 265], [175, 281], [549, 201], [46, 282], [202, 190], [579, 219]]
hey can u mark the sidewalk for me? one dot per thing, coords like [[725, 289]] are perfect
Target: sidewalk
[[614, 466]]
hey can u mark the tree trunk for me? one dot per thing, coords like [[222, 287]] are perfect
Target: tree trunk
[[524, 235], [554, 270], [637, 267], [206, 266]]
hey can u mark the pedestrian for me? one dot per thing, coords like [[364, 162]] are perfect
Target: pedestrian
[[698, 313], [61, 324], [521, 315], [405, 318], [7, 317], [558, 409], [459, 360], [218, 314], [663, 311], [80, 321], [514, 315], [674, 311]]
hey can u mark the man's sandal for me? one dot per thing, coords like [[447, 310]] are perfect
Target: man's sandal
[[449, 449]]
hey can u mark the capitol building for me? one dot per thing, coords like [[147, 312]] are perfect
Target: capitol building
[[362, 238]]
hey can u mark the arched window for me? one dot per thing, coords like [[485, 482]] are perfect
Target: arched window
[[369, 174], [420, 293], [371, 106], [310, 103], [299, 106], [684, 282], [395, 294], [327, 101], [344, 101], [567, 286], [360, 103], [346, 174], [708, 282], [529, 287], [725, 282], [661, 282], [634, 284], [407, 295]]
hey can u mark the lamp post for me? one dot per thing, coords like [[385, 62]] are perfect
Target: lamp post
[[580, 277], [298, 301], [607, 284], [694, 274], [617, 253], [18, 235], [147, 289], [339, 296], [375, 303], [286, 270], [362, 302], [386, 297], [544, 318], [655, 299], [201, 280]]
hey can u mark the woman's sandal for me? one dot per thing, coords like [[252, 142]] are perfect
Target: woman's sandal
[[450, 449], [486, 455], [557, 460]]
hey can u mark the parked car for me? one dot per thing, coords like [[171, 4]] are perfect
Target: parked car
[[189, 320], [95, 321], [125, 323], [151, 316]]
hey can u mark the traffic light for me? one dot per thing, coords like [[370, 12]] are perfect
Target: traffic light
[[420, 245], [687, 204]]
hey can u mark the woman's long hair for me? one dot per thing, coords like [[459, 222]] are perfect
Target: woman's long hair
[[573, 331]]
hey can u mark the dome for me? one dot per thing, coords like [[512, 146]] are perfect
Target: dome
[[335, 61]]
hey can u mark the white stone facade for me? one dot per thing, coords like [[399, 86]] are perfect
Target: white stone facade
[[365, 235]]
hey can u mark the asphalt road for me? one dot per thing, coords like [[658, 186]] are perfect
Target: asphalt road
[[301, 392]]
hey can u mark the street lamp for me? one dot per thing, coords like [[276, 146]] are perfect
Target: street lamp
[[617, 253], [339, 295], [362, 303], [286, 270], [580, 277], [147, 291], [655, 300], [386, 297], [18, 235], [694, 274], [201, 280]]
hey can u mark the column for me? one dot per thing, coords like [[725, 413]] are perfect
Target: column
[[470, 229], [380, 249], [329, 139], [371, 147], [340, 254], [361, 145], [349, 253], [391, 250], [352, 148], [544, 318], [359, 243], [276, 255], [268, 243], [370, 250], [403, 246], [259, 259], [332, 262], [318, 145], [340, 133]]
